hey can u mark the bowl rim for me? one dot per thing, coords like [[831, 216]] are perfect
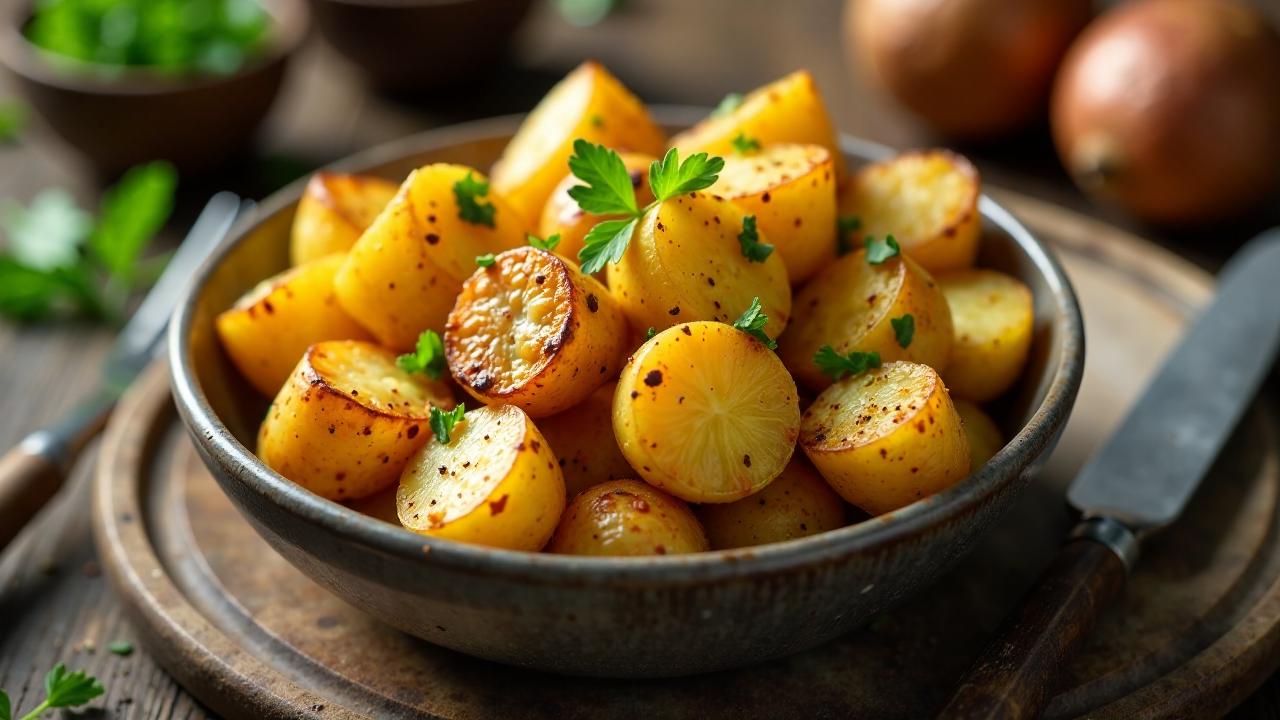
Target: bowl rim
[[242, 466]]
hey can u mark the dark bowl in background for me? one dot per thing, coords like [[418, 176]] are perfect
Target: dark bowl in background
[[406, 45], [119, 117]]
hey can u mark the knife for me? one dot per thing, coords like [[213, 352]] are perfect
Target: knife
[[1138, 483], [33, 471]]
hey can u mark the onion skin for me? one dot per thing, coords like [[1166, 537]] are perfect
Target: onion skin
[[969, 68], [1171, 109]]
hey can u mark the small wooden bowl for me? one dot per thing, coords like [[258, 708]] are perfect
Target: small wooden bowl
[[119, 117]]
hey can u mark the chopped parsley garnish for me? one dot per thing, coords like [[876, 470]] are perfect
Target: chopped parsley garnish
[[443, 422], [845, 227], [648, 334], [878, 251], [731, 102], [749, 239], [744, 145], [549, 244], [485, 260], [752, 322], [597, 121], [123, 648], [427, 358], [61, 689], [836, 366], [468, 192], [904, 328]]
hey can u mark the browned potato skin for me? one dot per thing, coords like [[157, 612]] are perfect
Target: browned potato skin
[[562, 216], [985, 439], [798, 503], [627, 518], [582, 438], [333, 211]]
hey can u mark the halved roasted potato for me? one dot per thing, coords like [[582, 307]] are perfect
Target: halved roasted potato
[[268, 329], [494, 483], [685, 262], [706, 412], [798, 503], [531, 330], [627, 517], [348, 419], [886, 437], [791, 191], [927, 200], [589, 103], [982, 432], [852, 306], [402, 275], [562, 216], [582, 438], [333, 211], [994, 318]]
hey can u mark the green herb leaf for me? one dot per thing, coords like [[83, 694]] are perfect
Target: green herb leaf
[[731, 102], [443, 422], [749, 239], [744, 145], [485, 260], [13, 118], [669, 177], [467, 192], [752, 322], [549, 244], [48, 233], [879, 251], [608, 189], [132, 212], [845, 227], [605, 243], [6, 710], [65, 690], [904, 328], [836, 366], [648, 334], [123, 648], [28, 293], [428, 357]]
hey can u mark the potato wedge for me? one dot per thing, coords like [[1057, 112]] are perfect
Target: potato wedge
[[982, 432], [268, 329], [788, 110], [589, 103], [706, 412], [495, 483], [798, 503], [685, 263], [402, 275], [582, 437], [791, 191], [348, 419], [887, 437], [927, 200], [994, 317], [532, 331], [627, 518], [851, 305], [562, 216], [333, 211]]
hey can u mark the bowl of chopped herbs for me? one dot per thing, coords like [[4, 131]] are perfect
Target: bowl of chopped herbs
[[131, 81]]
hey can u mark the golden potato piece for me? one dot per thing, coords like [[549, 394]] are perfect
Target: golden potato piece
[[380, 505], [348, 419], [589, 103], [887, 437], [706, 412], [789, 110], [994, 318], [333, 211], [562, 216], [791, 191], [797, 504], [582, 437], [268, 329], [927, 200], [532, 331], [685, 262], [627, 518], [851, 306], [496, 483], [402, 275], [982, 432]]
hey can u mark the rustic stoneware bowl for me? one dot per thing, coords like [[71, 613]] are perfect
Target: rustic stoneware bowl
[[619, 617]]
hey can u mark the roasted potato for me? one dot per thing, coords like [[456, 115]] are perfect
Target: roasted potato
[[402, 275], [927, 200], [685, 262], [886, 437], [791, 191], [706, 412], [268, 329], [380, 505], [562, 216], [994, 318], [348, 419], [851, 305], [494, 483], [582, 438], [531, 330], [333, 211], [982, 432], [627, 517], [589, 103], [796, 504], [789, 110]]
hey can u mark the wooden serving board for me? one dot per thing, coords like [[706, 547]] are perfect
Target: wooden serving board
[[1197, 631]]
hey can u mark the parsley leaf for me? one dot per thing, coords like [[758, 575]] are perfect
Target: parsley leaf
[[878, 251], [64, 689], [845, 227], [6, 710], [836, 366], [752, 322], [123, 648], [443, 422], [132, 212], [608, 189], [605, 243], [428, 357], [744, 145], [485, 260], [749, 239], [467, 192], [648, 334], [13, 118], [904, 328], [669, 177], [731, 102], [549, 244], [49, 233]]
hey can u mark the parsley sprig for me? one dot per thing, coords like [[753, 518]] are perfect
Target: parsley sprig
[[549, 244], [427, 357], [880, 251], [731, 102], [744, 145], [752, 322], [845, 227], [749, 239], [62, 689], [443, 422], [485, 260], [904, 328], [467, 192], [835, 366]]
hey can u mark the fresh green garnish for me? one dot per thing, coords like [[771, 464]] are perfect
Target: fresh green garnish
[[61, 689], [836, 366], [485, 260], [648, 334], [443, 422], [427, 357], [468, 192], [597, 121], [904, 328], [752, 322], [744, 145], [731, 102], [845, 227], [608, 189], [13, 118], [879, 251], [123, 648], [749, 239], [549, 244], [669, 177]]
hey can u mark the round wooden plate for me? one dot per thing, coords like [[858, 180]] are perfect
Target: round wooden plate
[[1197, 631]]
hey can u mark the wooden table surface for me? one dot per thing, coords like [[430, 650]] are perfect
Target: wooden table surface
[[54, 606]]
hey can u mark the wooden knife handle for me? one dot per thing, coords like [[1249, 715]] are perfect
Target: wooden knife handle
[[1015, 675], [28, 479]]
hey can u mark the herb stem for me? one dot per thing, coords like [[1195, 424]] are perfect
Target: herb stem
[[35, 712]]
